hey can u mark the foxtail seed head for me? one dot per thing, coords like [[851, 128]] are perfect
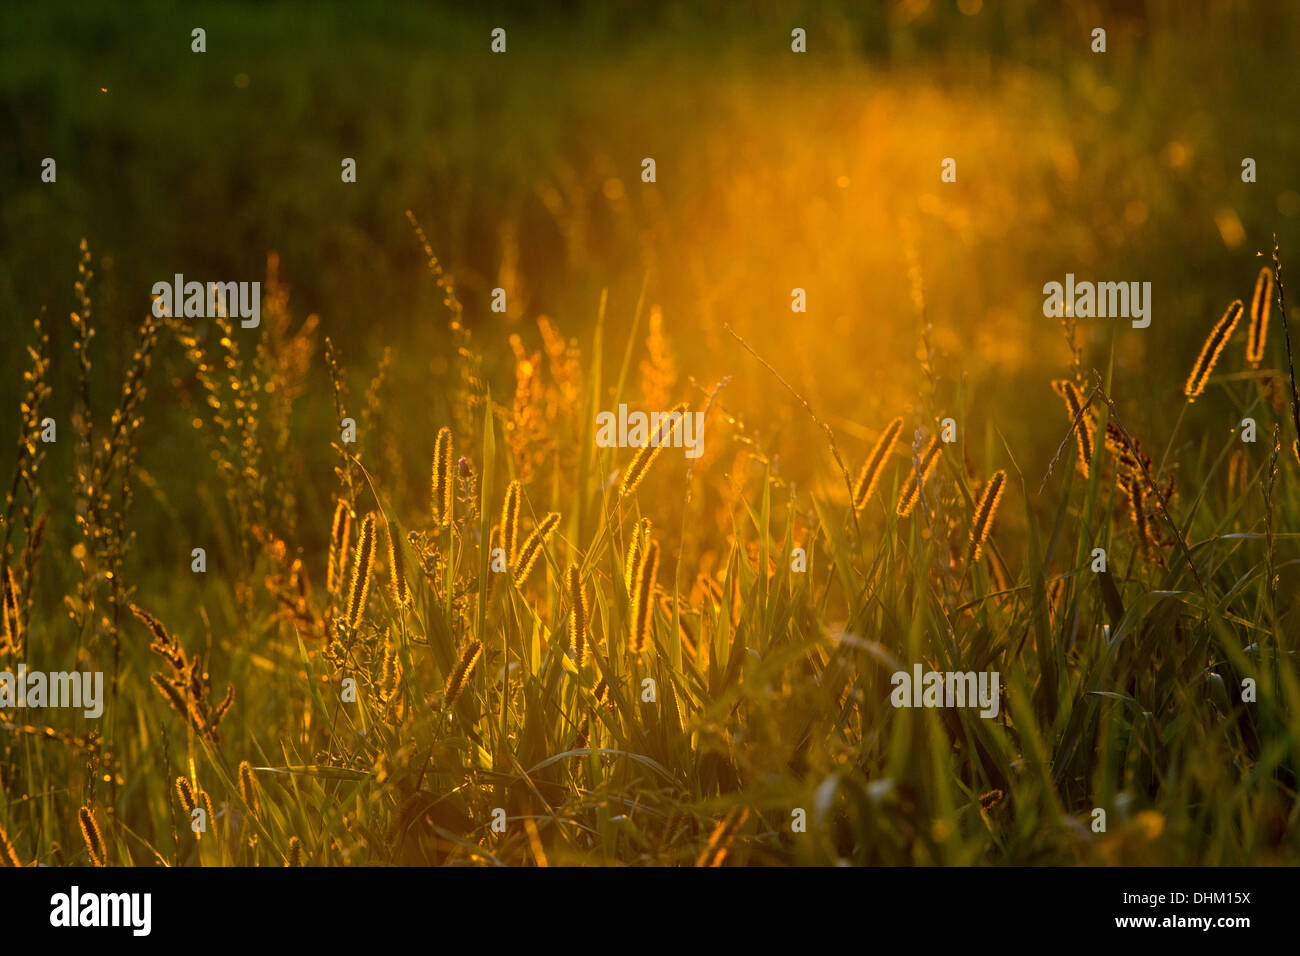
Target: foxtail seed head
[[532, 547], [640, 535], [340, 537], [1083, 431], [8, 855], [647, 453], [461, 673], [185, 791], [875, 464], [207, 808], [577, 614], [1211, 351], [397, 570], [441, 478], [911, 493], [248, 787], [363, 562], [985, 511], [510, 520], [94, 839], [643, 587], [1260, 303], [12, 631]]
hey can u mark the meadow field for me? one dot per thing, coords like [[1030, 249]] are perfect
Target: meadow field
[[368, 585]]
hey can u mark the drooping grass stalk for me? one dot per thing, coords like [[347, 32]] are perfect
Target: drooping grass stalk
[[1290, 359], [1154, 488]]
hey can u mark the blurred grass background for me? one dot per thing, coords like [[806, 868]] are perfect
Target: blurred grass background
[[775, 171]]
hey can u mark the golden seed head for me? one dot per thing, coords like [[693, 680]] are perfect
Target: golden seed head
[[532, 547], [185, 791], [207, 808], [874, 466], [461, 673], [640, 535], [248, 787], [643, 586], [11, 625], [911, 492], [1260, 304], [441, 478], [510, 520], [8, 855], [577, 614], [1080, 420], [1211, 350], [397, 570], [94, 839], [363, 563], [647, 453], [340, 535], [985, 511]]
